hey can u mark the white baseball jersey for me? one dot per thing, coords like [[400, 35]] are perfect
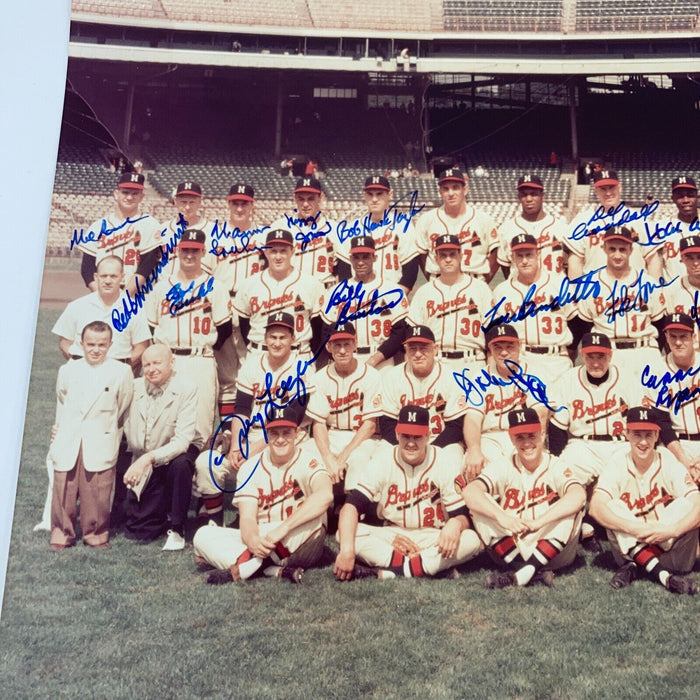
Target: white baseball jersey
[[262, 295], [278, 491], [548, 232], [186, 314], [683, 298], [591, 409], [374, 328], [647, 495], [344, 403], [635, 324], [438, 392], [670, 245], [173, 227], [238, 255], [409, 496], [114, 236], [453, 312], [523, 493], [547, 328], [314, 246], [90, 308], [258, 379], [476, 232]]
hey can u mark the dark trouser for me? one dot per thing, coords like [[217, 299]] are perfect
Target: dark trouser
[[120, 490], [680, 559], [164, 502]]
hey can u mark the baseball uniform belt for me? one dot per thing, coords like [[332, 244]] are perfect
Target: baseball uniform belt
[[363, 351], [193, 352], [688, 436], [263, 347], [544, 349], [459, 354], [125, 360], [604, 438], [629, 344]]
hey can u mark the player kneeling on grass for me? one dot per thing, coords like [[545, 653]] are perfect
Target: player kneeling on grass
[[282, 498], [651, 507], [527, 509], [412, 484]]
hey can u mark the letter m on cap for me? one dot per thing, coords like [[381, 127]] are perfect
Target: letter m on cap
[[416, 330], [279, 414], [448, 173], [375, 180], [306, 182], [241, 189], [134, 177], [643, 415], [412, 416], [520, 416]]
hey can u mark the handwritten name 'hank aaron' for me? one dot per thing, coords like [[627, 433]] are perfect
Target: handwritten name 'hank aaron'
[[612, 217], [665, 396]]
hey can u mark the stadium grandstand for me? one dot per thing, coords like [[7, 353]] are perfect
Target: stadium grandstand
[[221, 91]]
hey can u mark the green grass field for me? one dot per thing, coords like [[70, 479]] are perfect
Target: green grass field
[[137, 622]]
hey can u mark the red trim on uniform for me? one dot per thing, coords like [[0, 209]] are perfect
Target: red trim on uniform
[[416, 565], [525, 428], [131, 186], [596, 348], [191, 244], [212, 502], [244, 197], [192, 192], [645, 555], [396, 559], [246, 556], [547, 548], [282, 550], [281, 423], [679, 326], [606, 181], [227, 409], [643, 426], [312, 190], [504, 546], [412, 429], [341, 336]]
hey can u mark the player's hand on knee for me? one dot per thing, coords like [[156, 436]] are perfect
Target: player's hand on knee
[[136, 471], [513, 525], [337, 470], [261, 546], [404, 546], [449, 538], [344, 565], [235, 459]]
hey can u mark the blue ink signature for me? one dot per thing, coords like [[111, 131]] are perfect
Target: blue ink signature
[[570, 290], [665, 396], [625, 217], [219, 232], [346, 293], [622, 301], [91, 236], [131, 306], [177, 296], [391, 217], [528, 383]]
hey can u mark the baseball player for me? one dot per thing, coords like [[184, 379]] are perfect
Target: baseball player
[[506, 382], [238, 246], [422, 380], [684, 193], [393, 234], [188, 202], [629, 304], [651, 508], [281, 287], [314, 235], [545, 335], [548, 231], [190, 314], [476, 231], [586, 238], [683, 296], [377, 308], [426, 528], [282, 501], [345, 406], [528, 509], [452, 306], [131, 236]]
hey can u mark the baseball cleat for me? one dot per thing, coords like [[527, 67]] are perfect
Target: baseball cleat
[[592, 544], [43, 526], [293, 574], [174, 543], [682, 585], [202, 564], [361, 571], [219, 576], [498, 579], [545, 577], [624, 576]]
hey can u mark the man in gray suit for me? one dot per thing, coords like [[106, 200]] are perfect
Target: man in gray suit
[[162, 435]]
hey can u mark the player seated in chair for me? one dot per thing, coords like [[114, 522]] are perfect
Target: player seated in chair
[[526, 509], [282, 498], [651, 507], [413, 484]]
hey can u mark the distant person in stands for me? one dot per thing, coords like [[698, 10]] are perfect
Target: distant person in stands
[[125, 232], [553, 159]]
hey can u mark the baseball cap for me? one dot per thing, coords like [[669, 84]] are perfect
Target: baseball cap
[[132, 181], [523, 240], [452, 175], [280, 235], [683, 181], [502, 333], [342, 331], [241, 191], [193, 238], [283, 418], [280, 318], [530, 180], [413, 420], [620, 233], [523, 420], [641, 418], [189, 187], [420, 334], [595, 342], [680, 322], [362, 244], [690, 244], [605, 177], [446, 241], [308, 184], [377, 182]]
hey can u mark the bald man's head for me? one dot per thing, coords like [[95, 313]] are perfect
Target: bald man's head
[[158, 364]]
